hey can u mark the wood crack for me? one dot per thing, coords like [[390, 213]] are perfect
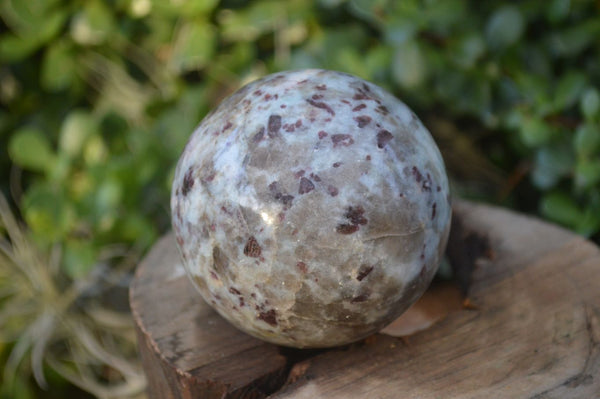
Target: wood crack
[[591, 365]]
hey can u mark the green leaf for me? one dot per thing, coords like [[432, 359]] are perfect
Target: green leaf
[[590, 223], [199, 7], [377, 63], [173, 130], [568, 90], [47, 212], [505, 27], [93, 25], [61, 167], [590, 103], [30, 149], [587, 173], [469, 50], [336, 41], [26, 17], [14, 48], [400, 30], [574, 39], [17, 47], [95, 150], [331, 3], [550, 165], [535, 131], [137, 228], [587, 139], [409, 68], [371, 10], [140, 8], [247, 24], [561, 208], [558, 10], [58, 67], [108, 196], [79, 257], [194, 46], [349, 60], [443, 15], [76, 129], [239, 57], [535, 91], [52, 25], [17, 388], [537, 61]]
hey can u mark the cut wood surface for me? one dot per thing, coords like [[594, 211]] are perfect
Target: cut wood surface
[[531, 330]]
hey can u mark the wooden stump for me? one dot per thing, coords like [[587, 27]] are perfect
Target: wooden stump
[[533, 330]]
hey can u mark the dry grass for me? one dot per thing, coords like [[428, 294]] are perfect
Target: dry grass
[[52, 321]]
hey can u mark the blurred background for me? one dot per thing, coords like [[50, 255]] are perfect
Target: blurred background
[[98, 98]]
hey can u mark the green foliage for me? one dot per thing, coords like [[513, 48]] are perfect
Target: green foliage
[[30, 148], [99, 97]]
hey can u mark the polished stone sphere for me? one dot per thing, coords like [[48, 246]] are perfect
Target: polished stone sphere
[[311, 208]]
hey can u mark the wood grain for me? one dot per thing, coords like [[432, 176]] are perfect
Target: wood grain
[[534, 331]]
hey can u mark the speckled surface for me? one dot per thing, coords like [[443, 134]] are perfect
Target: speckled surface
[[311, 208]]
